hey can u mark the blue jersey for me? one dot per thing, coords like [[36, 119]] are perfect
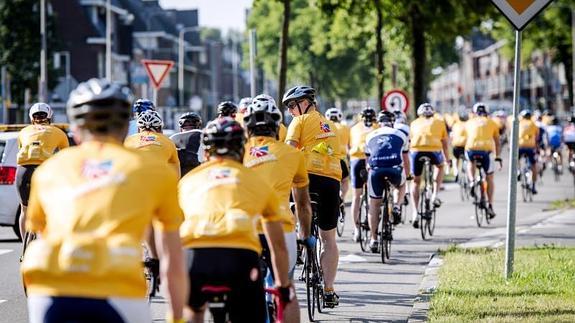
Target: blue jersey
[[384, 147], [554, 135]]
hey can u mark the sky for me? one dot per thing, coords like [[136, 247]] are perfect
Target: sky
[[223, 14]]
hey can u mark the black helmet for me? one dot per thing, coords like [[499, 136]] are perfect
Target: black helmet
[[99, 104], [224, 137], [190, 119], [387, 118], [227, 109], [525, 114], [368, 115], [299, 92], [480, 109], [555, 121]]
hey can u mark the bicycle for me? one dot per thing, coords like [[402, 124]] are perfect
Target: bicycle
[[28, 238], [152, 274], [555, 166], [312, 273], [217, 298], [479, 193], [364, 218], [426, 209], [525, 176], [340, 219], [385, 233], [463, 181]]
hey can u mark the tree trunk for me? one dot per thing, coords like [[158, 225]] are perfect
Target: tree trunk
[[568, 63], [283, 53], [418, 55], [379, 52]]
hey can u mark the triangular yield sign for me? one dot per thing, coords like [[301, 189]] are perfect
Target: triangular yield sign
[[157, 70], [520, 12]]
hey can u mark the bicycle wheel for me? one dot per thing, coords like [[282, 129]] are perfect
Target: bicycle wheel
[[384, 215], [524, 185], [340, 221], [364, 223], [431, 222], [477, 203], [422, 210], [310, 284]]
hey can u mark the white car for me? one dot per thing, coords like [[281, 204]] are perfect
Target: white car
[[9, 199]]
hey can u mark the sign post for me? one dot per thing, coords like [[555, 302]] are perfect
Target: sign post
[[157, 71], [519, 14], [395, 100]]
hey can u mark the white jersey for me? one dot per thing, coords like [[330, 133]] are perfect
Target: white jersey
[[569, 133], [402, 127]]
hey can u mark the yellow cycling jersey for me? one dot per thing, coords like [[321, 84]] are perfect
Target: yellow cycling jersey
[[316, 136], [458, 134], [426, 134], [481, 134], [499, 122], [92, 205], [155, 145], [36, 143], [357, 135], [343, 132], [240, 118], [282, 133], [222, 202], [547, 120], [283, 166], [528, 133]]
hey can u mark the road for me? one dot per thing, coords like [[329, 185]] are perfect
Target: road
[[369, 290]]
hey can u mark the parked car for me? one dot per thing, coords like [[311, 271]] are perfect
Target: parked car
[[9, 199]]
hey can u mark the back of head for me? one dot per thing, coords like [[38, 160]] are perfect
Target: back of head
[[480, 109], [298, 93], [463, 115], [227, 109], [368, 116], [100, 106], [142, 105], [425, 110], [334, 114], [190, 120], [555, 121], [262, 118], [150, 120], [400, 116], [40, 111], [224, 137], [386, 119]]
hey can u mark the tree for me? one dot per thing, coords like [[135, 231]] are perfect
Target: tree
[[283, 60], [20, 45]]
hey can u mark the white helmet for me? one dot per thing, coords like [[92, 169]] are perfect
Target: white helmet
[[40, 107], [480, 108], [334, 114], [244, 104], [426, 110], [149, 120], [262, 111], [400, 116]]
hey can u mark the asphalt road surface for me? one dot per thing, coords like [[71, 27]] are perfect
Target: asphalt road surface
[[369, 290]]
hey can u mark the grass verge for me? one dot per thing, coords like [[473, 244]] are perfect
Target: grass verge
[[472, 288], [563, 204]]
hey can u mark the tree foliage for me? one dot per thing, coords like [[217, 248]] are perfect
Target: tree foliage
[[20, 45]]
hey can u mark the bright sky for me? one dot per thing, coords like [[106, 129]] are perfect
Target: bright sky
[[223, 14]]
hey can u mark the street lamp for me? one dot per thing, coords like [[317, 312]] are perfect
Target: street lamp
[[181, 61], [108, 40]]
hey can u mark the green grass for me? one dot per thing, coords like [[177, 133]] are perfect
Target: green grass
[[472, 288], [563, 204]]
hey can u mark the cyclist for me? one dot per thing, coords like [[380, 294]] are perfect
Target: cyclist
[[227, 109], [500, 119], [428, 139], [242, 108], [222, 200], [458, 139], [358, 133], [315, 135], [528, 134], [554, 134], [187, 141], [401, 122], [387, 151], [569, 139], [284, 167], [342, 130], [482, 141], [138, 107], [36, 143], [86, 265]]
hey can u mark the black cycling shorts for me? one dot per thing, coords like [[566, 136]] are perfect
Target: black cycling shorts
[[23, 179], [238, 269], [344, 169], [570, 145], [458, 152], [327, 191]]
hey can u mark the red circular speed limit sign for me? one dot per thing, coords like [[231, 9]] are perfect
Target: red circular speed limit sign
[[395, 100]]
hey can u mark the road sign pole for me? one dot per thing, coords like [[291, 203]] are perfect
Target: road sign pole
[[155, 97], [513, 161], [253, 62]]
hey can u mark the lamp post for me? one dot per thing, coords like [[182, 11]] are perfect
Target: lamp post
[[43, 70], [182, 32], [109, 40]]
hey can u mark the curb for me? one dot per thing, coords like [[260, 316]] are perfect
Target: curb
[[426, 289]]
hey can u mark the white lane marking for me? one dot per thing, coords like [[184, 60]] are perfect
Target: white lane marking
[[352, 258], [2, 301], [5, 251]]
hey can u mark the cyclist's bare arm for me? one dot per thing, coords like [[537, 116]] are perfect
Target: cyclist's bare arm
[[497, 147], [406, 165], [173, 271], [280, 259], [303, 209], [445, 145]]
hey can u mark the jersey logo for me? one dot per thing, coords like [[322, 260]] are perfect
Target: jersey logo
[[94, 169], [147, 138], [219, 173], [259, 151], [384, 142], [324, 127]]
